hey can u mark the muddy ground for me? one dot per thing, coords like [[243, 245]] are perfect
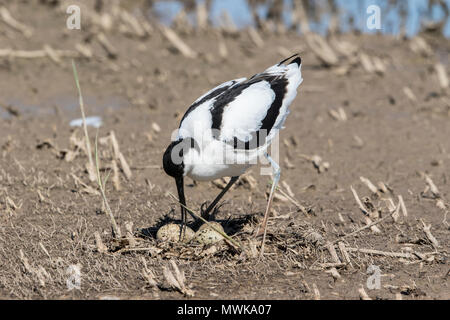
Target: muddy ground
[[49, 210]]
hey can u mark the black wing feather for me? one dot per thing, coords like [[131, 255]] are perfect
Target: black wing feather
[[212, 95], [277, 83]]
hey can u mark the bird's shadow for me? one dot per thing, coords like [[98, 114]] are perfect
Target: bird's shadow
[[232, 225]]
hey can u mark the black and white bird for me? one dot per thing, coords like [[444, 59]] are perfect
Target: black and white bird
[[226, 130]]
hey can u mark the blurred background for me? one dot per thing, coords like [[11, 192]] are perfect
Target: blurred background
[[399, 17]]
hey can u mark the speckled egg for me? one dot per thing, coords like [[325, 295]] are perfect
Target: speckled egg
[[171, 233], [206, 235]]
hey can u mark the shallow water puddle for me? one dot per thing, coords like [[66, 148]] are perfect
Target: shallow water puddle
[[67, 107], [352, 14]]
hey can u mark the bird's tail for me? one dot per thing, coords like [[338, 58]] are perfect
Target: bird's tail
[[294, 59]]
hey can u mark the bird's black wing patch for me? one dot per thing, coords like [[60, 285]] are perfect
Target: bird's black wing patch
[[213, 94], [222, 101], [277, 83]]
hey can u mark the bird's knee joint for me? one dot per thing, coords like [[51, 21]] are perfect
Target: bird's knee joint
[[277, 173]]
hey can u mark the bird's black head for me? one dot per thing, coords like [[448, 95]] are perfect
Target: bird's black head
[[173, 159]]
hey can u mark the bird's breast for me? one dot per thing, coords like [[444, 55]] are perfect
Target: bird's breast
[[216, 160]]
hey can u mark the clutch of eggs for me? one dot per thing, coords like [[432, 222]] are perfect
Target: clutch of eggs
[[205, 234]]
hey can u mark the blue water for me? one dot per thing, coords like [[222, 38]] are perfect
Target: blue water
[[416, 13]]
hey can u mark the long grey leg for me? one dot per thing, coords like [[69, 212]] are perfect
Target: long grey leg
[[276, 178], [205, 214]]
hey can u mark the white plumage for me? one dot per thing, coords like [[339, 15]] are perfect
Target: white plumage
[[226, 130], [241, 118]]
